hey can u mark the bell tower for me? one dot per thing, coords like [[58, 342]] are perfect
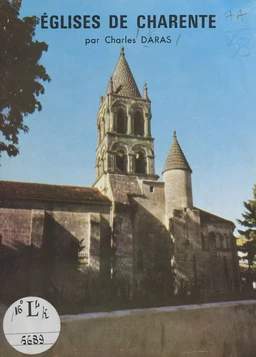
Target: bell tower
[[125, 146]]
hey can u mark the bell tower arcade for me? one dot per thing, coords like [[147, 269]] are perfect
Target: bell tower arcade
[[125, 145]]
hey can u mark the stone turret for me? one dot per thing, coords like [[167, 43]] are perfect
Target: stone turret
[[177, 179]]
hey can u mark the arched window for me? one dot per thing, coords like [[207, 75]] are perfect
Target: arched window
[[225, 242], [205, 242], [138, 123], [231, 241], [121, 121], [121, 161], [140, 163], [218, 241], [212, 241]]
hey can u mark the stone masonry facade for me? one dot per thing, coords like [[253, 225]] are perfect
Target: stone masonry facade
[[129, 231]]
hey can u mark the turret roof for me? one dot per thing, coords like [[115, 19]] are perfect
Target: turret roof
[[122, 81], [176, 158]]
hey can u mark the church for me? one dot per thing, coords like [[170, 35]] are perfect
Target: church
[[129, 236]]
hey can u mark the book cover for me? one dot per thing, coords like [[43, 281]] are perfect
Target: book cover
[[127, 187]]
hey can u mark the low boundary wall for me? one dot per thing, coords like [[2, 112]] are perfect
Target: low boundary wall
[[208, 330]]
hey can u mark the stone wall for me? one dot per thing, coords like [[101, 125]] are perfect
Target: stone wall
[[214, 330], [54, 250], [16, 225], [152, 248], [185, 230], [219, 244], [203, 260], [178, 190]]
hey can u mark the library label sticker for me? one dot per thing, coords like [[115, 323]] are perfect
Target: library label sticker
[[31, 325]]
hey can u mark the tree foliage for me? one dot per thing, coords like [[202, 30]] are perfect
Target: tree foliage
[[21, 75], [249, 233]]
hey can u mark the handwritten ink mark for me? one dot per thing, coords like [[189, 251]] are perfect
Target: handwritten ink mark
[[230, 15], [137, 34], [239, 16], [177, 41], [242, 49], [244, 29]]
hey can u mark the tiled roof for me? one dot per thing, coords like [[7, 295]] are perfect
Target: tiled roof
[[212, 218], [45, 192], [123, 82], [176, 158]]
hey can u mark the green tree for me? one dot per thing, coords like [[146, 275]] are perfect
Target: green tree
[[249, 233], [21, 75]]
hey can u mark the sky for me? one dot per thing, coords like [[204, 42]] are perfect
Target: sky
[[202, 85]]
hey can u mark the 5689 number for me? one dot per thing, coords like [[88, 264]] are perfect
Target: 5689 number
[[32, 340]]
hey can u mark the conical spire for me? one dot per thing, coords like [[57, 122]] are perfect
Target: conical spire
[[176, 158], [123, 82]]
